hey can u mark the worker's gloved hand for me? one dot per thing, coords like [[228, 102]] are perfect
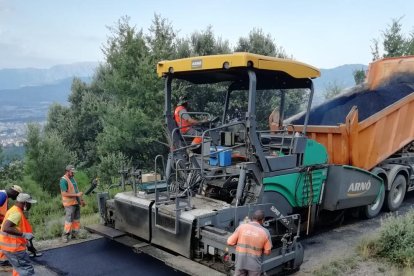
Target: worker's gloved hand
[[28, 236]]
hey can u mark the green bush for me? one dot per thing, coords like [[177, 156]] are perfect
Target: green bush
[[46, 157], [11, 173], [395, 241]]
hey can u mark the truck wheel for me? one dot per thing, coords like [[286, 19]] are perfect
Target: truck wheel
[[396, 194], [372, 210]]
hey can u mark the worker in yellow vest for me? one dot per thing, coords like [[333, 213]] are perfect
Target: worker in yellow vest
[[15, 233], [12, 193], [71, 200]]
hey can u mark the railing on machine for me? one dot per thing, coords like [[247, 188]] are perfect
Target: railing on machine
[[205, 142], [217, 152], [284, 137], [161, 198]]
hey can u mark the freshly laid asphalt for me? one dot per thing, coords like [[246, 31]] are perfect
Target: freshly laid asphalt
[[101, 257]]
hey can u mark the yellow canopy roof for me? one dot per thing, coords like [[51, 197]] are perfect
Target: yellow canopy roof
[[237, 60]]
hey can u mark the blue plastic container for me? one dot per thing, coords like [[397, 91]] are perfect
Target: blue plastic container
[[222, 158]]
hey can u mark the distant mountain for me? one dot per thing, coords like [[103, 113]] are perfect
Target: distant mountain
[[17, 78], [341, 75], [31, 103]]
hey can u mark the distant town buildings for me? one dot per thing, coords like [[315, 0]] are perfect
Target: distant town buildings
[[13, 133]]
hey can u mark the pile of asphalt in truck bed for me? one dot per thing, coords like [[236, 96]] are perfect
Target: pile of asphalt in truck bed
[[368, 102]]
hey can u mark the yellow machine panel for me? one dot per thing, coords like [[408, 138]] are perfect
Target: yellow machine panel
[[237, 60]]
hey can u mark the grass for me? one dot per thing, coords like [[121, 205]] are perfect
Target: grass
[[338, 267]]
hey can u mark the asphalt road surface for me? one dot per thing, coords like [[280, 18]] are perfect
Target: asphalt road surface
[[99, 257]]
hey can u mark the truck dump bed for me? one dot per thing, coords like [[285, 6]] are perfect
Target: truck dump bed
[[364, 127]]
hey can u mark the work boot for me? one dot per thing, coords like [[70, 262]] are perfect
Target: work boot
[[74, 235], [65, 238], [5, 263], [34, 255]]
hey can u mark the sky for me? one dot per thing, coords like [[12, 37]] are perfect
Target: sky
[[323, 33]]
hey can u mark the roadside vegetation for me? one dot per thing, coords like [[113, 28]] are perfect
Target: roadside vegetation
[[394, 242], [338, 267], [390, 251]]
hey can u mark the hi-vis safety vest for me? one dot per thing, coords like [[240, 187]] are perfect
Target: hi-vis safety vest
[[184, 125], [13, 243], [251, 239], [69, 200]]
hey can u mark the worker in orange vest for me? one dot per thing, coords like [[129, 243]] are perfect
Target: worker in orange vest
[[12, 193], [185, 121], [15, 233], [71, 200], [252, 240]]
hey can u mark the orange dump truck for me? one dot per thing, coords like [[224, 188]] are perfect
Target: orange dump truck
[[372, 126]]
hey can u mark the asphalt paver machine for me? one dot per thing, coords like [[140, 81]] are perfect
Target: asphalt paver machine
[[207, 189]]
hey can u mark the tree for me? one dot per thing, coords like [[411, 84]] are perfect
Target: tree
[[259, 43], [394, 42], [120, 112], [333, 89], [410, 44], [205, 43], [375, 50], [1, 155], [32, 147], [11, 173], [46, 158], [131, 132], [161, 39], [359, 76]]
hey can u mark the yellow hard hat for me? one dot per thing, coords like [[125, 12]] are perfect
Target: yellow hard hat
[[17, 188]]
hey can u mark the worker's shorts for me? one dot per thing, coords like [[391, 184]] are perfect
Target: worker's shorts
[[20, 262], [72, 213]]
